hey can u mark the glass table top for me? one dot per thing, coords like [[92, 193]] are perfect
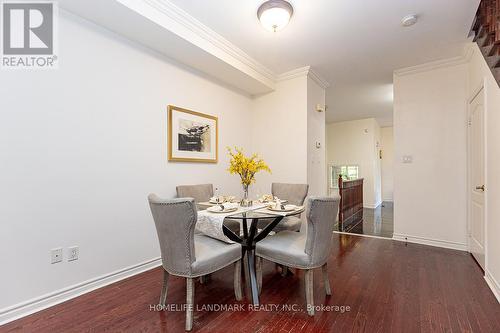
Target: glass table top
[[261, 213]]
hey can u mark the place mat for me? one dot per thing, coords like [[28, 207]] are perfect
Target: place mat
[[210, 224]]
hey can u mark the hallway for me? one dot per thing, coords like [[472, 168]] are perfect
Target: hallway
[[376, 222]]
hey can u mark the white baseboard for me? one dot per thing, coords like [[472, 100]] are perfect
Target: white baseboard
[[430, 242], [372, 206], [45, 301], [361, 235], [493, 284]]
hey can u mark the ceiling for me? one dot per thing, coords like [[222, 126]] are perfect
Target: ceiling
[[355, 45]]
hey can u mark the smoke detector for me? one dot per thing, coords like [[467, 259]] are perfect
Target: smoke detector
[[409, 20]]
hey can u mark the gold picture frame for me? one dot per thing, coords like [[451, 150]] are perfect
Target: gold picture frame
[[192, 136]]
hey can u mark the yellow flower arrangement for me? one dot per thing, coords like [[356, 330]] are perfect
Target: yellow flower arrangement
[[245, 167]]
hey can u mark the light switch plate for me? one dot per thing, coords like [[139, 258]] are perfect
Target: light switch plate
[[407, 159]]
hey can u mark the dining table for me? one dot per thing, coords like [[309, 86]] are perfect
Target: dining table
[[250, 234]]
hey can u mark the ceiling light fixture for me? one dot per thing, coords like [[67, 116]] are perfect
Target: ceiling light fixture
[[274, 15], [409, 20]]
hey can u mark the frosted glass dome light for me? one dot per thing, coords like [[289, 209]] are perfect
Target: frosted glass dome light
[[274, 15]]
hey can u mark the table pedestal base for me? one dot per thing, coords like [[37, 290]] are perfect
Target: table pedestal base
[[248, 241]]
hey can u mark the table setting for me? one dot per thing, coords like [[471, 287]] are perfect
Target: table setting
[[247, 212], [211, 220]]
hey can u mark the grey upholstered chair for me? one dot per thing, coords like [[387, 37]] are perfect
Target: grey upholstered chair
[[187, 254], [295, 194], [200, 193], [307, 249], [203, 193]]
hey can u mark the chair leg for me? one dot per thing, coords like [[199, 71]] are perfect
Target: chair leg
[[309, 291], [238, 293], [164, 288], [258, 265], [328, 290], [204, 279], [189, 303], [283, 269]]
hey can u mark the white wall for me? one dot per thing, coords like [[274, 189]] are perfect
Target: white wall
[[479, 73], [285, 129], [82, 146], [316, 165], [430, 126], [377, 164], [354, 142], [387, 146], [279, 134]]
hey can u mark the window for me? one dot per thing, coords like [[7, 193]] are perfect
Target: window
[[348, 172]]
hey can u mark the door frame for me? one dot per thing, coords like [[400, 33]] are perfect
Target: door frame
[[482, 87]]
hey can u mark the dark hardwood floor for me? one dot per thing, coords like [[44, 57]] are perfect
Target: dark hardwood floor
[[388, 286], [376, 222]]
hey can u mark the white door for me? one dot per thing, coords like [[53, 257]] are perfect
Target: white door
[[476, 178]]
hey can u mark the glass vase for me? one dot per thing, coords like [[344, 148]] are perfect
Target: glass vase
[[245, 202]]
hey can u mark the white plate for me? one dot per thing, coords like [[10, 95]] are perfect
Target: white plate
[[215, 209], [288, 208], [272, 201]]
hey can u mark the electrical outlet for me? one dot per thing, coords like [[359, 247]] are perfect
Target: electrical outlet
[[56, 255], [73, 253]]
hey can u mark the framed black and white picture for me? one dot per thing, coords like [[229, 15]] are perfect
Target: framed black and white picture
[[192, 136]]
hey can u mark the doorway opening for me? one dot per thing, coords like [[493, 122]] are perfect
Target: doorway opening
[[360, 163]]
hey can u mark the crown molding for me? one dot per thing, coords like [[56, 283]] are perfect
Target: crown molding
[[430, 66], [301, 72], [294, 73], [192, 24], [443, 63], [321, 81], [160, 22]]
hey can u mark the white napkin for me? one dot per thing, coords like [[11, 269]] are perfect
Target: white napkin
[[224, 207], [276, 204], [216, 199]]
